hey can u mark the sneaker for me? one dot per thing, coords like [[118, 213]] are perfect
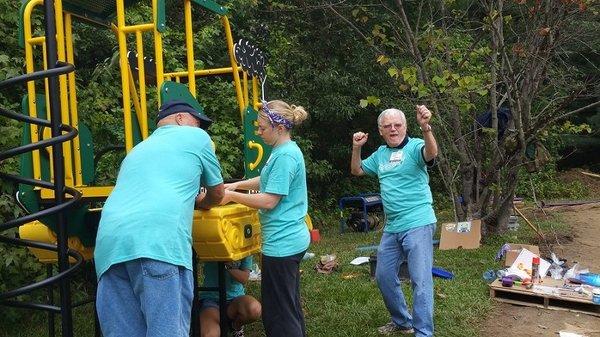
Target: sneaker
[[238, 333], [391, 328]]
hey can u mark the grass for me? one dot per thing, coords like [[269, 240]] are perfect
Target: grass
[[347, 303]]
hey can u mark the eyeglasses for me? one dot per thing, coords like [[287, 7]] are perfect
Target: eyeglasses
[[396, 126]]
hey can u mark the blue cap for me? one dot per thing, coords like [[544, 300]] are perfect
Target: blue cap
[[175, 106]]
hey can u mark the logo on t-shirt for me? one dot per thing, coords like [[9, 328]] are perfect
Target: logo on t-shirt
[[396, 158]]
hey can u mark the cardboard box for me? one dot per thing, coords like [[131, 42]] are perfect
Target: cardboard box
[[465, 235], [515, 250]]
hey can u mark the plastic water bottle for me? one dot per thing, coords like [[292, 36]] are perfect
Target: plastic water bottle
[[308, 255]]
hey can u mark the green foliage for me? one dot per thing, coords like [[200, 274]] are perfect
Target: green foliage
[[547, 186], [17, 268], [228, 140]]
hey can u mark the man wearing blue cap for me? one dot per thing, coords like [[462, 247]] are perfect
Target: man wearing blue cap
[[143, 251]]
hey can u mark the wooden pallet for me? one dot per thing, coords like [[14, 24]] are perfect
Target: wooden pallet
[[518, 295]]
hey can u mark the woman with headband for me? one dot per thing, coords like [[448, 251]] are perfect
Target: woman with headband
[[283, 205]]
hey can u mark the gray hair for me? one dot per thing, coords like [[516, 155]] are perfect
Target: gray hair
[[390, 112]]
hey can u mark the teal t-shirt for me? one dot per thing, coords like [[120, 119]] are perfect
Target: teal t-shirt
[[233, 287], [404, 185], [284, 230], [149, 213]]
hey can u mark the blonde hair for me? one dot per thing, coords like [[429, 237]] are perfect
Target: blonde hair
[[295, 114]]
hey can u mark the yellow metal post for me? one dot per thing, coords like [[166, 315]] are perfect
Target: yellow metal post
[[245, 90], [122, 40], [189, 46], [142, 80], [255, 93], [73, 100], [64, 94], [30, 67], [236, 75], [158, 56]]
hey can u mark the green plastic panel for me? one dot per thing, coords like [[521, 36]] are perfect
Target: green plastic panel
[[252, 163], [27, 196], [211, 6], [161, 20], [87, 154], [21, 29], [177, 91], [99, 11]]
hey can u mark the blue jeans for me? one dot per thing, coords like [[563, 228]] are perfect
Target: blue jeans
[[416, 247], [145, 298]]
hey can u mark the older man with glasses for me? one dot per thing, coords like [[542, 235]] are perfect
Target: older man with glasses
[[401, 167]]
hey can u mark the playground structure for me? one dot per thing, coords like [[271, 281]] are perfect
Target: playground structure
[[56, 180]]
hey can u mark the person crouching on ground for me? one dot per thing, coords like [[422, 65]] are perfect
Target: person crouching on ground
[[241, 308]]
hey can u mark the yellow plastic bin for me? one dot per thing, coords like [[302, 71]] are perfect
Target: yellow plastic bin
[[226, 233]]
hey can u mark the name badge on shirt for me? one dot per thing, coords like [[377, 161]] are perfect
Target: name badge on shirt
[[396, 156]]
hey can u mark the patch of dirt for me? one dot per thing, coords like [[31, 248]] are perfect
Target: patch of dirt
[[511, 320]]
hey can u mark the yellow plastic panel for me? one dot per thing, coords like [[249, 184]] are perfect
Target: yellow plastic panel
[[226, 233], [36, 231]]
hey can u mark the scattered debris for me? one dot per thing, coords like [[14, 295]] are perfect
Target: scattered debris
[[563, 333], [349, 276], [360, 260], [590, 174], [555, 203], [255, 274], [327, 264]]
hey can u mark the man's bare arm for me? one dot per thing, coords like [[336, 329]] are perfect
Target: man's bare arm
[[211, 197]]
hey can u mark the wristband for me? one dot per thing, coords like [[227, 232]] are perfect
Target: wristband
[[426, 128]]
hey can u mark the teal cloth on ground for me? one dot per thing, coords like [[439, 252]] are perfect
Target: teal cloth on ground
[[149, 213], [404, 185], [211, 279], [284, 231]]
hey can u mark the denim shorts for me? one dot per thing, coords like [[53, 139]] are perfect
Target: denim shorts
[[206, 303], [145, 298]]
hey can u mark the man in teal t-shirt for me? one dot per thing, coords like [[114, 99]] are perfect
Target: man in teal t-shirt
[[143, 252], [401, 167], [241, 308]]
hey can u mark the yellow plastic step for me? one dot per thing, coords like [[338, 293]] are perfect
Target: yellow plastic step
[[224, 233]]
